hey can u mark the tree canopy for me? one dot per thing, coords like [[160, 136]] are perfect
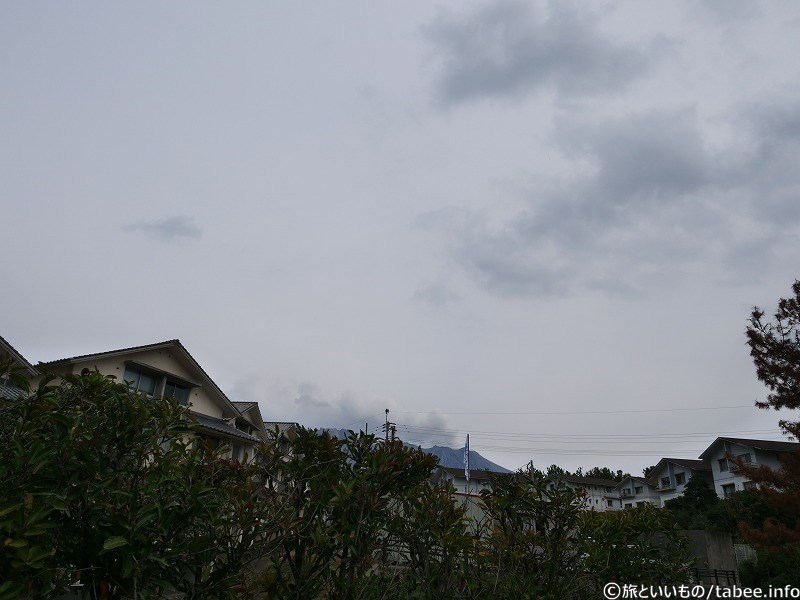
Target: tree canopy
[[111, 494], [775, 349]]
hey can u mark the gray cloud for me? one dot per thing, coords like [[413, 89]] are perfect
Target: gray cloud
[[652, 201], [310, 405], [308, 396], [505, 49], [724, 13], [436, 294], [642, 158], [168, 229]]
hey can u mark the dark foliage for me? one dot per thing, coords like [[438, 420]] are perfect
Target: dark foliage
[[775, 349]]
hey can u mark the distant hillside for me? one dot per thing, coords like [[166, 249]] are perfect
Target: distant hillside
[[448, 457], [454, 457]]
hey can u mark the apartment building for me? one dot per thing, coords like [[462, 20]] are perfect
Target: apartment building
[[727, 479], [596, 491], [634, 492], [671, 475]]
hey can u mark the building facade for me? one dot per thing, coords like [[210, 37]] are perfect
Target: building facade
[[671, 475], [727, 478], [166, 369], [634, 492]]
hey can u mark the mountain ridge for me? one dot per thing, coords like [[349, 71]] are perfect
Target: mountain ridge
[[448, 457]]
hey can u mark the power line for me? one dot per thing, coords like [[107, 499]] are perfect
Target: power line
[[573, 452], [575, 412], [541, 443], [359, 421], [567, 437]]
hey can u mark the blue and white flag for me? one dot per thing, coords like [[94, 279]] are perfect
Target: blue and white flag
[[466, 459]]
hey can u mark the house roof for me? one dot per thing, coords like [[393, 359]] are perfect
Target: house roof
[[221, 426], [286, 429], [243, 407], [587, 480], [283, 426], [768, 445], [635, 479], [479, 475], [158, 345], [17, 357], [687, 463]]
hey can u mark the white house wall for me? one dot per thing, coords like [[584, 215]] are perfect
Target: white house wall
[[162, 359], [630, 498], [673, 489], [730, 477]]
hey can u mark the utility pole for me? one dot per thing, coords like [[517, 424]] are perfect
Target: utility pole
[[388, 426]]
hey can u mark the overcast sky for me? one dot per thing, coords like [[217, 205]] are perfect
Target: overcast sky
[[476, 214]]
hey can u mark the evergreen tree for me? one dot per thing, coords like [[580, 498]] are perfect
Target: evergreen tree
[[775, 349]]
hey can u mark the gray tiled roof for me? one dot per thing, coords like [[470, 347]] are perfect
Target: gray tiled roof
[[8, 391], [285, 428], [774, 445], [579, 479], [768, 445], [6, 348], [475, 474], [221, 426], [690, 463]]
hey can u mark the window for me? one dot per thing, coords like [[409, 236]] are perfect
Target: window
[[746, 458], [175, 390], [140, 381], [639, 489], [680, 478], [750, 485], [628, 505], [723, 464], [665, 482], [155, 383], [610, 503], [236, 451], [728, 490]]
